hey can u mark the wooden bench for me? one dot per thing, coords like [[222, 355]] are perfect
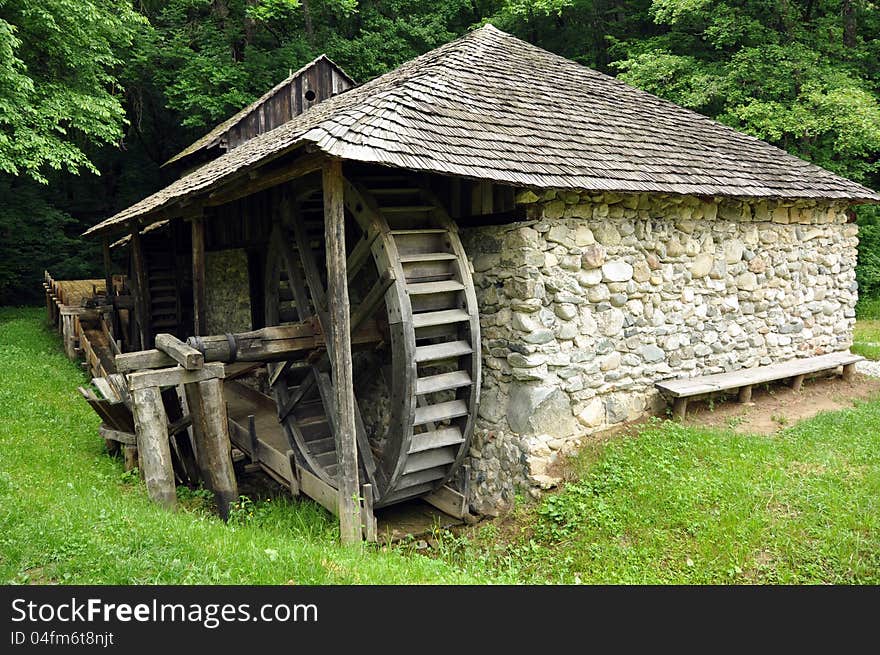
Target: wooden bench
[[796, 370]]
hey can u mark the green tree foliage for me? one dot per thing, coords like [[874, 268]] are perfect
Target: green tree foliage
[[116, 87], [57, 81], [799, 74]]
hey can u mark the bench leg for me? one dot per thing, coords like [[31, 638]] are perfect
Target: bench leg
[[745, 394], [796, 382], [679, 408], [849, 371]]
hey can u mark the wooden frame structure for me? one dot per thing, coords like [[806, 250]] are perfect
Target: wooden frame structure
[[416, 302]]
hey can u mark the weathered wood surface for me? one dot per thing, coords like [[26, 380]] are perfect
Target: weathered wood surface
[[757, 375], [141, 289], [154, 452], [211, 435], [143, 359], [275, 343], [184, 354], [339, 351], [370, 527], [169, 377], [318, 490], [270, 448], [198, 275], [448, 500], [128, 438], [130, 457]]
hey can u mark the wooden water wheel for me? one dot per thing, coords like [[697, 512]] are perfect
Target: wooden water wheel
[[417, 390]]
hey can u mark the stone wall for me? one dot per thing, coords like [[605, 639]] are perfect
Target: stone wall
[[227, 293], [598, 296]]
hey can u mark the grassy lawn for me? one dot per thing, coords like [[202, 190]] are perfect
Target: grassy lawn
[[69, 514], [682, 505], [866, 336], [672, 504]]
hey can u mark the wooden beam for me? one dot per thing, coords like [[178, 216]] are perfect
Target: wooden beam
[[371, 532], [275, 343], [170, 377], [154, 451], [373, 299], [116, 435], [448, 500], [141, 289], [211, 435], [321, 492], [340, 353], [143, 359], [264, 178], [198, 270], [130, 457], [185, 355], [108, 269]]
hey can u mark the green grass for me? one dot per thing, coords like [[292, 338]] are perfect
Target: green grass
[[684, 505], [69, 514], [672, 504], [866, 338]]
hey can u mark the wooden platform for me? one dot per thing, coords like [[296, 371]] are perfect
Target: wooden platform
[[743, 380]]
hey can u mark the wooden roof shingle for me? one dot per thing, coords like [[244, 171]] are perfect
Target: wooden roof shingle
[[490, 106]]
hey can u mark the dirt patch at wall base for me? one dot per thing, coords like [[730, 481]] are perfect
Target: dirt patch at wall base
[[776, 406]]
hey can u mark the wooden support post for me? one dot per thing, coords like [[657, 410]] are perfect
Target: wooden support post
[[154, 452], [371, 532], [254, 443], [849, 372], [679, 408], [108, 272], [130, 457], [796, 382], [198, 266], [340, 353], [745, 394], [211, 434], [141, 289]]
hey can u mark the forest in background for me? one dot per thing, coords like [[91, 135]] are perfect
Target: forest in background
[[95, 95]]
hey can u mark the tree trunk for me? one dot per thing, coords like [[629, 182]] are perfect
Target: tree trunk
[[848, 10]]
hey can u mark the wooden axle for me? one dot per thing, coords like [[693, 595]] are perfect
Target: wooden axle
[[276, 343]]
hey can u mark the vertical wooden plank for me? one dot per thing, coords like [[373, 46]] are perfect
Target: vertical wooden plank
[[141, 289], [108, 272], [211, 433], [198, 264], [486, 206], [130, 457], [369, 517], [154, 452], [340, 353]]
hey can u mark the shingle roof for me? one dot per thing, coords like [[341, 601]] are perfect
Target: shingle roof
[[490, 106], [212, 137]]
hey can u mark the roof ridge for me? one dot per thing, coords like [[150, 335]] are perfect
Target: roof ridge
[[490, 106]]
